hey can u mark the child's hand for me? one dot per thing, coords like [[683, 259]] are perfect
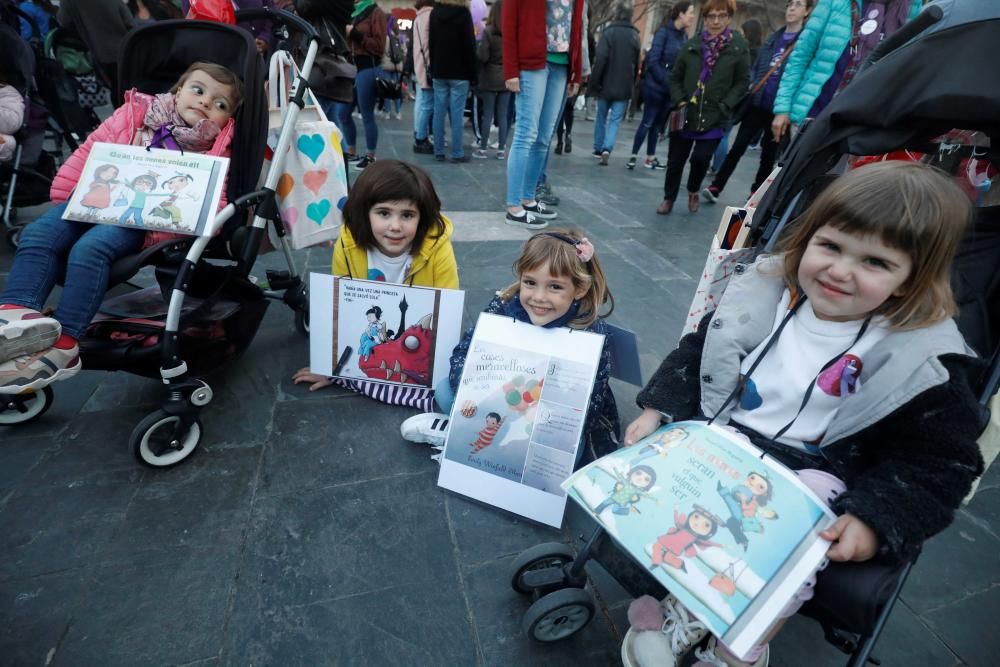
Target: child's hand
[[315, 381], [468, 409], [644, 424], [852, 539]]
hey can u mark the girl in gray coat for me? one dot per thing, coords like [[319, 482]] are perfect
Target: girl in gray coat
[[492, 91]]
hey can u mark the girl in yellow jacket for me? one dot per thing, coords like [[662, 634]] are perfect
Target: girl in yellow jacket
[[393, 232]]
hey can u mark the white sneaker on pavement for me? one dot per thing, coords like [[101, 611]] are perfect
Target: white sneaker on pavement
[[430, 428]]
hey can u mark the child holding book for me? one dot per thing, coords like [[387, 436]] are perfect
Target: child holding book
[[861, 288], [560, 283]]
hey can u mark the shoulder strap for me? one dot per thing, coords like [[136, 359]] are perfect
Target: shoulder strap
[[774, 68]]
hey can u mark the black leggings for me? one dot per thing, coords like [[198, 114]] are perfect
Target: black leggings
[[677, 155], [757, 120], [566, 119]]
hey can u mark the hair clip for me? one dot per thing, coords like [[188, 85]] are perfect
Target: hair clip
[[584, 249]]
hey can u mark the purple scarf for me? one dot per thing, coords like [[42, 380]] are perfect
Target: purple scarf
[[171, 132], [711, 47]]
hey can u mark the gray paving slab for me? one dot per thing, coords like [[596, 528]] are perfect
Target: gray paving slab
[[305, 531]]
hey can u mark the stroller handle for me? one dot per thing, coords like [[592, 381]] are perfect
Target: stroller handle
[[930, 15], [280, 16]]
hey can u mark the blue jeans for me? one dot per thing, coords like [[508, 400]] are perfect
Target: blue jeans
[[336, 111], [494, 107], [539, 105], [654, 115], [722, 150], [449, 98], [86, 251], [364, 88], [422, 110], [606, 129]]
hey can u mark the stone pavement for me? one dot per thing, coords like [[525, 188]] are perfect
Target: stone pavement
[[304, 531]]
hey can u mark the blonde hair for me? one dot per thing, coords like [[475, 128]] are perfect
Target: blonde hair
[[560, 255], [911, 207]]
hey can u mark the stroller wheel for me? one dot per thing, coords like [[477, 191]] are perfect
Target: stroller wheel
[[558, 615], [302, 321], [538, 557], [26, 407], [13, 236], [155, 443]]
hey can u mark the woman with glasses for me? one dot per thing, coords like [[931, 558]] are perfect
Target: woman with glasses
[[709, 78], [767, 70]]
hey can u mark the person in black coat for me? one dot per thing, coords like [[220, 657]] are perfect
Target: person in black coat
[[615, 68], [453, 69]]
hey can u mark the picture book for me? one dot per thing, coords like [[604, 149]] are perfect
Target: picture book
[[729, 531], [382, 332], [518, 416], [150, 189]]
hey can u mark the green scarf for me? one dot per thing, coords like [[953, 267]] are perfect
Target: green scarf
[[360, 8]]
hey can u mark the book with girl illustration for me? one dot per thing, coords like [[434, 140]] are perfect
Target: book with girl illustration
[[151, 189], [382, 332], [732, 533], [518, 415]]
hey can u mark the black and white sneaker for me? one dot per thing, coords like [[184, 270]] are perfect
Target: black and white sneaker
[[654, 164], [430, 427], [540, 210], [526, 220], [364, 162]]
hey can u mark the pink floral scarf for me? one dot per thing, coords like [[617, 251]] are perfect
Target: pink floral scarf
[[161, 117]]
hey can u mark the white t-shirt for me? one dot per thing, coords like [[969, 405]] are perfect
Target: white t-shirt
[[387, 269], [774, 392]]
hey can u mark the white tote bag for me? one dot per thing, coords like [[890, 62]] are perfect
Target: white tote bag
[[312, 188]]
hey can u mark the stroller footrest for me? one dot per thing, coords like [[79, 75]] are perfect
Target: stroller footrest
[[279, 280]]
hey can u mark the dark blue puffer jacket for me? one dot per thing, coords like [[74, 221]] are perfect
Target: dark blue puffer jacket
[[667, 43]]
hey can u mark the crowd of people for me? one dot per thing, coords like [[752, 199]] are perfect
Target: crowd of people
[[849, 281]]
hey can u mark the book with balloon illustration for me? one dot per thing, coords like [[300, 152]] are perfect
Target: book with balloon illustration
[[518, 415], [731, 532]]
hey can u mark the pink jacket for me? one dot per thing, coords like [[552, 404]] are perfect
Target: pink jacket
[[123, 128], [421, 45]]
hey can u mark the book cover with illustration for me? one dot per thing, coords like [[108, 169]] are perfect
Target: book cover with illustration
[[382, 332], [732, 533], [518, 416], [151, 189]]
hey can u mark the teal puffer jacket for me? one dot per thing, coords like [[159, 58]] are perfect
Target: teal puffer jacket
[[819, 47]]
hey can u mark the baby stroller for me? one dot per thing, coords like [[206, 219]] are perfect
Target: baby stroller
[[895, 103], [203, 313]]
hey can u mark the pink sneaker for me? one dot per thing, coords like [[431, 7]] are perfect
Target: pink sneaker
[[25, 331], [39, 369]]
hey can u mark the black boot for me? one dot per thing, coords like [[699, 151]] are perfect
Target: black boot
[[559, 147], [569, 144]]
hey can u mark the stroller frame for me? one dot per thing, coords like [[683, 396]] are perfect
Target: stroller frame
[[170, 434]]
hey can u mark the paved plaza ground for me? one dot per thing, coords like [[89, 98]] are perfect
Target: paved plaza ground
[[304, 531]]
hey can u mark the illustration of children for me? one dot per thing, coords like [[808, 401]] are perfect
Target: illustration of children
[[690, 533], [374, 333], [493, 423], [168, 207], [747, 506], [661, 444], [629, 489], [141, 185], [98, 195]]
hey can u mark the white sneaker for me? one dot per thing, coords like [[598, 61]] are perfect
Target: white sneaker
[[662, 649], [430, 427]]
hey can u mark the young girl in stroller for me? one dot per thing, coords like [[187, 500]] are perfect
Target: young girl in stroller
[[560, 283], [196, 116], [840, 359]]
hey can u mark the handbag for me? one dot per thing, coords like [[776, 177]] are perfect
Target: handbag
[[388, 89], [675, 123], [741, 108], [312, 188], [333, 72]]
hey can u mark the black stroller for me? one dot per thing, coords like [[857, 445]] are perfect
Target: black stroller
[[896, 102], [204, 312]]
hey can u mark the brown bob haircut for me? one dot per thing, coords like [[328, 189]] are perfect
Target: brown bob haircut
[[546, 248], [223, 75], [728, 6], [909, 206], [392, 180]]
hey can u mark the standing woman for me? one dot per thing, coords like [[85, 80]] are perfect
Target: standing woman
[[667, 43], [453, 69], [367, 38], [424, 105], [492, 90], [710, 77]]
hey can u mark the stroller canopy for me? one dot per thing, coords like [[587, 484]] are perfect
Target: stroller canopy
[[153, 56], [938, 81]]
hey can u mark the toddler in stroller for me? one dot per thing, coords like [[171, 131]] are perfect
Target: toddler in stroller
[[36, 350]]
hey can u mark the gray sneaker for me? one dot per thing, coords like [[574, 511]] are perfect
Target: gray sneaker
[[24, 331]]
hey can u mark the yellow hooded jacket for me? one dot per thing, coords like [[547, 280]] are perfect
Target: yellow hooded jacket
[[433, 265]]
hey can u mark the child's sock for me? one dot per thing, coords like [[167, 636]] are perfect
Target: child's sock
[[65, 342]]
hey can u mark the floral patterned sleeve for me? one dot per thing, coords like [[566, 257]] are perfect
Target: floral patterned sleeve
[[496, 306]]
